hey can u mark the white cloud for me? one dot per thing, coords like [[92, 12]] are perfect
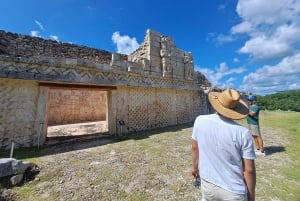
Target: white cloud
[[215, 76], [125, 44], [262, 47], [229, 83], [273, 28], [35, 34], [52, 37], [224, 39], [236, 60], [259, 12], [288, 33], [219, 39], [268, 79], [40, 25], [243, 27]]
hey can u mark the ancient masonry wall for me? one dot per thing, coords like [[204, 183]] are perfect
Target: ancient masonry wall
[[18, 111], [148, 108], [147, 89], [140, 108], [26, 46], [75, 106]]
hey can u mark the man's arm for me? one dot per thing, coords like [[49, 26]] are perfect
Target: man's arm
[[249, 177], [253, 110], [195, 158], [251, 113]]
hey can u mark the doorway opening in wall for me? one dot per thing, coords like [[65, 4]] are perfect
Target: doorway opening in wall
[[74, 112]]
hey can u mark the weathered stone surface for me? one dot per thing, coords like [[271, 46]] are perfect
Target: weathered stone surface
[[14, 180], [140, 89], [74, 105], [26, 46], [11, 166]]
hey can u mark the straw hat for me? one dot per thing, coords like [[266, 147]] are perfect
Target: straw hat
[[229, 104]]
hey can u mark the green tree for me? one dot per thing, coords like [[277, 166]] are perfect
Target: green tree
[[285, 100]]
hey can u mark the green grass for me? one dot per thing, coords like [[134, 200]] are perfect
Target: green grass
[[283, 182], [289, 125]]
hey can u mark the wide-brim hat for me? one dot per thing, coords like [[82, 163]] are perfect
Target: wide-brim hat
[[228, 103]]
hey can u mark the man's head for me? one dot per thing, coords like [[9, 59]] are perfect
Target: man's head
[[228, 103], [251, 99]]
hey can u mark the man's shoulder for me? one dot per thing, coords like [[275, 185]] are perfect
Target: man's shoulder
[[208, 116], [205, 118]]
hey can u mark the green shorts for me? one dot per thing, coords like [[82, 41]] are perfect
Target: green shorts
[[254, 129]]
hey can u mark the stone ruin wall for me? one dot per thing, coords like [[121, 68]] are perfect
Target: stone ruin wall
[[32, 47], [144, 96], [75, 106], [18, 111], [148, 108], [23, 109], [165, 59]]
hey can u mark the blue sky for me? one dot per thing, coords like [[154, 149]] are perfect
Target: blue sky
[[249, 45]]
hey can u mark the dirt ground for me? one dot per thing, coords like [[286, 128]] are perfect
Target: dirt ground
[[153, 165]]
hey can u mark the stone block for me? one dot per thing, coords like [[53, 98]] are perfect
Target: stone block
[[6, 167], [70, 61], [14, 180]]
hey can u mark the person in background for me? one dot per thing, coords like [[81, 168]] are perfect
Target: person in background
[[222, 150], [253, 125]]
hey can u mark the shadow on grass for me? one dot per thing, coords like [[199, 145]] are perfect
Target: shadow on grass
[[274, 149], [78, 143]]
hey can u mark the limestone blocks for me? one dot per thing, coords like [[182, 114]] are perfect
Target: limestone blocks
[[188, 65], [117, 63], [139, 65], [157, 56], [165, 53]]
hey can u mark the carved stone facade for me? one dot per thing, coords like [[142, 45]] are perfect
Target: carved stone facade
[[147, 89], [163, 58]]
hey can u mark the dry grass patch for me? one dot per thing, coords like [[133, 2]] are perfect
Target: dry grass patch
[[153, 165]]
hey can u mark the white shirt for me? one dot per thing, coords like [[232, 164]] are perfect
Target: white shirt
[[222, 144]]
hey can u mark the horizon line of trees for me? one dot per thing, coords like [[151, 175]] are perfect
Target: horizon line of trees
[[285, 100]]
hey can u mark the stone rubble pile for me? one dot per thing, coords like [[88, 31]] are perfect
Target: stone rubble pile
[[14, 170]]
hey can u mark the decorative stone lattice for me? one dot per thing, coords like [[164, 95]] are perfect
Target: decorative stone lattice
[[138, 109], [164, 109], [152, 108]]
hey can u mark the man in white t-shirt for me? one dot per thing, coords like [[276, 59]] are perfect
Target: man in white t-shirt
[[222, 150]]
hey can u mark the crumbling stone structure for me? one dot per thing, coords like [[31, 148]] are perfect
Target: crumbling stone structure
[[45, 82]]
